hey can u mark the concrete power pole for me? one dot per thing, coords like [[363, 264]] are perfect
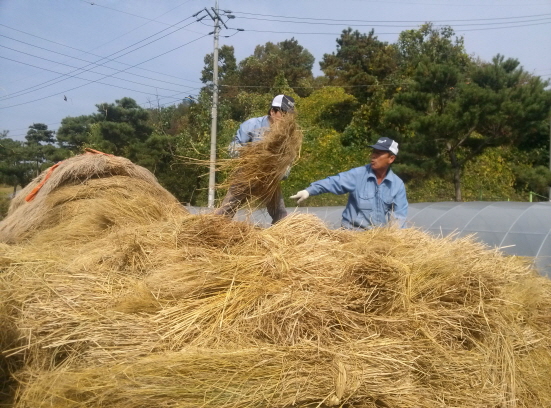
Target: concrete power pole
[[214, 113]]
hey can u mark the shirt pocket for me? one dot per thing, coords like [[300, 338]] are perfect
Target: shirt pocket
[[387, 201], [366, 201]]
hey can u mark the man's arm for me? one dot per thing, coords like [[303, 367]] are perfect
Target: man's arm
[[241, 138], [400, 207], [341, 183]]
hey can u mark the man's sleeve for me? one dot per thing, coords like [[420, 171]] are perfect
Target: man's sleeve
[[339, 184], [241, 138], [401, 207]]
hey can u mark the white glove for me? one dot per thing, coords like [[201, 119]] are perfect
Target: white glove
[[301, 196]]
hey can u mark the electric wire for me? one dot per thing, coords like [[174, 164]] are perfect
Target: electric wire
[[392, 25], [393, 21], [97, 63], [91, 82], [143, 25], [96, 55], [338, 34], [68, 75], [120, 11]]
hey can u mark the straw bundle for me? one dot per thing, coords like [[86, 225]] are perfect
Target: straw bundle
[[260, 166], [165, 308], [65, 200]]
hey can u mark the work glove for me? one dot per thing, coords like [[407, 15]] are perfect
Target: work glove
[[301, 196]]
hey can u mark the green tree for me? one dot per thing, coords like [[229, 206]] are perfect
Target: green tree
[[119, 128], [361, 62], [287, 58], [228, 75], [16, 167], [123, 127], [74, 132], [40, 147], [453, 110], [430, 46]]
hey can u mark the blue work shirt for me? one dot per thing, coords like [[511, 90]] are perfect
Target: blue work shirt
[[369, 204], [250, 131]]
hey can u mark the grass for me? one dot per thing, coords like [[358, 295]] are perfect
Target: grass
[[5, 191]]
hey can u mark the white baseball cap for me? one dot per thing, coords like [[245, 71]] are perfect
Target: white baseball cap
[[284, 102], [386, 144]]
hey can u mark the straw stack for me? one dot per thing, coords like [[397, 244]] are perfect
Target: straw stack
[[260, 165], [67, 192], [168, 309]]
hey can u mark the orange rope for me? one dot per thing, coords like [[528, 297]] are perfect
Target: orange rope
[[35, 191], [89, 150]]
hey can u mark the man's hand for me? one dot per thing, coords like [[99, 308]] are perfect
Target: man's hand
[[301, 196]]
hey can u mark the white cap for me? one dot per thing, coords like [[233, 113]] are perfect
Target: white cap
[[284, 102]]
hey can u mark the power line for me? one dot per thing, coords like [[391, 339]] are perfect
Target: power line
[[91, 65], [144, 24], [393, 21], [124, 12], [80, 86], [338, 34], [391, 25], [76, 69], [84, 79], [96, 55], [452, 4]]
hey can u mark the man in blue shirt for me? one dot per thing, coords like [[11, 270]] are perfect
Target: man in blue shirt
[[253, 130], [376, 196]]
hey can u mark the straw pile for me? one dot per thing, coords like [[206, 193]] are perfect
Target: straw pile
[[68, 191], [171, 309], [260, 166]]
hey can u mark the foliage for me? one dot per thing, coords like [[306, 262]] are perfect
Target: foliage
[[367, 124], [258, 72], [16, 167], [361, 60], [489, 177], [452, 110], [329, 107], [286, 58]]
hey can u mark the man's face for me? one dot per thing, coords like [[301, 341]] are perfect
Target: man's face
[[381, 159], [276, 113]]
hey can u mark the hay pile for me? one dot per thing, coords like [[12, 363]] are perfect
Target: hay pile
[[260, 166], [170, 309], [64, 200]]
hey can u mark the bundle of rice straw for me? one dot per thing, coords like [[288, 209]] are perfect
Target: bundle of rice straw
[[261, 165], [187, 310], [63, 193]]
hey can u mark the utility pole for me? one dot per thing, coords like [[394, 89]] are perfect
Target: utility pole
[[214, 112], [215, 16]]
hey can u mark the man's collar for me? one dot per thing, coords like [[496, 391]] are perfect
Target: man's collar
[[372, 174]]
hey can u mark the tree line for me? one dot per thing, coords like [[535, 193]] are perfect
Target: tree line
[[468, 129]]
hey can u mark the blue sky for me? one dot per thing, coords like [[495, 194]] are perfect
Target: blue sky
[[153, 50]]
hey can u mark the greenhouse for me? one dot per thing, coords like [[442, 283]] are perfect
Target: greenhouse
[[518, 228]]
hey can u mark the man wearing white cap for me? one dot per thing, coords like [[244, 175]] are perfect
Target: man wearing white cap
[[376, 196], [252, 130]]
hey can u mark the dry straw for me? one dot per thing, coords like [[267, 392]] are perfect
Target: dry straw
[[161, 308], [70, 189], [260, 166]]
